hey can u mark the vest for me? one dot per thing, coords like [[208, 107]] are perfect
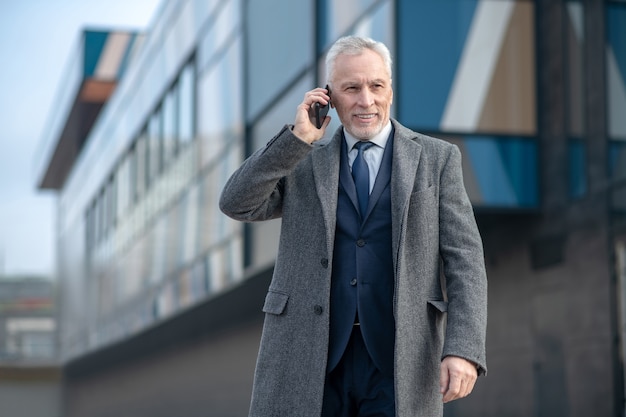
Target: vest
[[362, 276]]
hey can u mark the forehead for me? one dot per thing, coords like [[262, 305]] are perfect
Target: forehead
[[365, 66]]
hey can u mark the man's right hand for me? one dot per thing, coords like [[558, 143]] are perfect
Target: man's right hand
[[304, 126]]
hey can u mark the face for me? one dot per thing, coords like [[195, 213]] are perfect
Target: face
[[361, 93]]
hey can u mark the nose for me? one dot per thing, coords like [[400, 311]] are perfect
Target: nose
[[366, 98]]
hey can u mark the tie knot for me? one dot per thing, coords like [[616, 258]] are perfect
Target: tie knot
[[362, 146]]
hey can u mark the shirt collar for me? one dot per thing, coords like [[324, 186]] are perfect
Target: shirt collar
[[380, 139]]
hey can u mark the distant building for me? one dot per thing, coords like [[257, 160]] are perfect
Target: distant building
[[161, 295], [30, 376]]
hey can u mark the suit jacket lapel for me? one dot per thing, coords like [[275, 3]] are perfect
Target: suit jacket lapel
[[345, 175], [326, 161], [383, 177]]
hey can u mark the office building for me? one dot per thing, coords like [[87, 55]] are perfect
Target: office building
[[161, 294]]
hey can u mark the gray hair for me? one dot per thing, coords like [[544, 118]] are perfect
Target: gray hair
[[355, 45]]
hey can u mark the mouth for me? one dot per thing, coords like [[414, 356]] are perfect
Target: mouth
[[367, 116]]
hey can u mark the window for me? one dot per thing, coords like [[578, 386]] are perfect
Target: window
[[186, 104], [155, 145], [169, 126]]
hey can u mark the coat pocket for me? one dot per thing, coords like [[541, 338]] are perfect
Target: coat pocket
[[440, 305], [275, 302]]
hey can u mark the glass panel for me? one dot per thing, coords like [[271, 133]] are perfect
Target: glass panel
[[190, 227], [155, 141], [574, 47], [186, 105], [282, 113], [123, 185], [620, 274], [616, 69], [169, 126], [172, 240], [273, 68], [499, 171], [480, 73], [220, 105], [209, 213], [577, 168], [224, 28], [338, 16]]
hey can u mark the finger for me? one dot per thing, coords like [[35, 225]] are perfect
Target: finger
[[470, 386], [453, 389], [318, 95], [444, 378]]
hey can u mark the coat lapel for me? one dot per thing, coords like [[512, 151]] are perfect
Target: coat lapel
[[406, 157], [326, 161]]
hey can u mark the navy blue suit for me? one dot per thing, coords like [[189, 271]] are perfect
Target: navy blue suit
[[362, 277]]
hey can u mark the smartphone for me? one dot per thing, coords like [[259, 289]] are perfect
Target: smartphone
[[321, 111]]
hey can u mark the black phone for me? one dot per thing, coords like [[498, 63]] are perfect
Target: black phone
[[321, 111]]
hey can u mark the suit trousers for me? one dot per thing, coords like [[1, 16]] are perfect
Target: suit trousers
[[356, 388]]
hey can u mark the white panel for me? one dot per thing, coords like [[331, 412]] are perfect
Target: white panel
[[575, 11], [112, 56], [477, 64], [616, 97]]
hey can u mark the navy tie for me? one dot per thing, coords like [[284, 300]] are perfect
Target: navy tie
[[361, 176]]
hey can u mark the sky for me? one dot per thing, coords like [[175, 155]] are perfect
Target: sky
[[37, 39]]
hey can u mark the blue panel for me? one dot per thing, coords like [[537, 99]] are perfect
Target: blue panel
[[505, 169], [617, 153], [431, 38], [616, 33], [94, 44], [322, 25], [577, 168]]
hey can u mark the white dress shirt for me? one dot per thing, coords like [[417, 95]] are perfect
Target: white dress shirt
[[373, 155]]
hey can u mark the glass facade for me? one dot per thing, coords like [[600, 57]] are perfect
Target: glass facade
[[141, 237]]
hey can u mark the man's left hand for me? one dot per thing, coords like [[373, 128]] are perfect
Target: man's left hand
[[457, 378]]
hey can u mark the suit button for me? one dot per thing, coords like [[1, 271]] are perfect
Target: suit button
[[317, 309], [360, 243], [324, 262], [353, 282]]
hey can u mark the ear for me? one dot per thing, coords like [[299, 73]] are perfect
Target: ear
[[332, 105]]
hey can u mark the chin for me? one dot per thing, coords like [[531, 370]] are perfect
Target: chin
[[365, 133]]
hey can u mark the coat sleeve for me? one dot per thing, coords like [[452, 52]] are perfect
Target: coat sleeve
[[463, 266], [254, 191]]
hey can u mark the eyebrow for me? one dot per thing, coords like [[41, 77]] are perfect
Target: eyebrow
[[374, 81]]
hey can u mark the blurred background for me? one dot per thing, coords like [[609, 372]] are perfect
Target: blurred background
[[124, 290]]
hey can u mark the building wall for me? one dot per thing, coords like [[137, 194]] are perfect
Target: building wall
[[210, 377], [33, 391]]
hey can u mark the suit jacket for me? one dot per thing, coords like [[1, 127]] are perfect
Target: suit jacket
[[433, 233], [362, 275]]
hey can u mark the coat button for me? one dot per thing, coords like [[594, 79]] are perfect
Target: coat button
[[353, 282], [318, 309], [324, 262], [360, 243]]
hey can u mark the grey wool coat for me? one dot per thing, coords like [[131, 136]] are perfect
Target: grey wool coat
[[434, 232]]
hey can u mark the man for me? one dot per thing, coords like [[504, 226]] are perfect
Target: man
[[358, 320]]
